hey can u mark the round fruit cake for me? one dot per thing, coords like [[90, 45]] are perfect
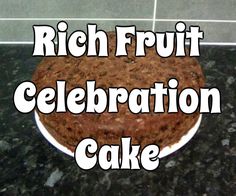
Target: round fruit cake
[[163, 129]]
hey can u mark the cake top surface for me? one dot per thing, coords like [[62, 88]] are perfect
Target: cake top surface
[[129, 71]]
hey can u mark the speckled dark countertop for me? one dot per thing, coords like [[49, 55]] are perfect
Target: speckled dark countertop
[[29, 165]]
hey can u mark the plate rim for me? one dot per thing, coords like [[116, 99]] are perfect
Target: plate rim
[[163, 153]]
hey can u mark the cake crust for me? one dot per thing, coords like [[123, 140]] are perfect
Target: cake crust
[[163, 129]]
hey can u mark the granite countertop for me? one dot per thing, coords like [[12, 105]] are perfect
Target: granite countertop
[[29, 165]]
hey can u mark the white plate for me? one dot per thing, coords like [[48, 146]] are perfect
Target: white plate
[[164, 152]]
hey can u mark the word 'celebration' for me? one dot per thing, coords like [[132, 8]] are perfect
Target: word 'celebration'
[[99, 100]]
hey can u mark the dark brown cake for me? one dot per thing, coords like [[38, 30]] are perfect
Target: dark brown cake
[[130, 72]]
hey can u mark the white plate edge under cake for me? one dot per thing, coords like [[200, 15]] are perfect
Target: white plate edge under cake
[[164, 152]]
